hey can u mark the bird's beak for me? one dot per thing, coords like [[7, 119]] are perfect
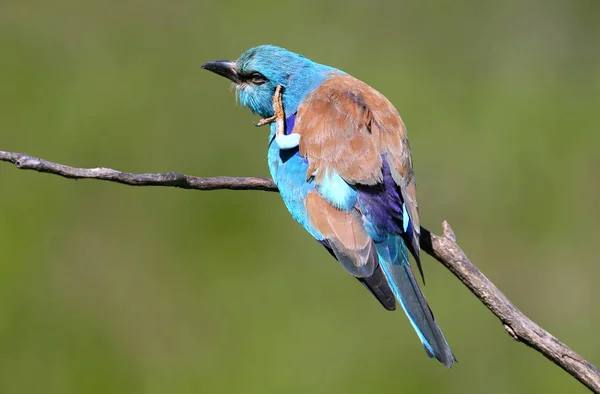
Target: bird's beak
[[225, 68]]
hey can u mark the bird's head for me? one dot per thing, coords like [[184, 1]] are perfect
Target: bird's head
[[259, 70]]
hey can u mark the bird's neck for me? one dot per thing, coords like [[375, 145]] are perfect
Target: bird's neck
[[304, 82]]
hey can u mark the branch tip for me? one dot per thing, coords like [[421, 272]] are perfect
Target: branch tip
[[447, 231], [509, 330]]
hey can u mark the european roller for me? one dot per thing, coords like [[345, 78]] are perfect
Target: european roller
[[343, 166]]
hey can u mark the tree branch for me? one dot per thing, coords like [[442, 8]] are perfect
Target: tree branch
[[170, 179], [443, 248]]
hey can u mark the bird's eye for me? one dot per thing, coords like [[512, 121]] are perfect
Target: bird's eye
[[258, 78]]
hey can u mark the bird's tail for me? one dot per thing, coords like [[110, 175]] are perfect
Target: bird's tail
[[393, 258]]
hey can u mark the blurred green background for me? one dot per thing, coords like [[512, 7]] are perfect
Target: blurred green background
[[112, 289]]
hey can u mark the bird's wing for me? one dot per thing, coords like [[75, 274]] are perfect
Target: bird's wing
[[350, 129], [344, 232]]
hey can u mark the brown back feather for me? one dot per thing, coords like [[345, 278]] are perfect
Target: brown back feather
[[346, 126]]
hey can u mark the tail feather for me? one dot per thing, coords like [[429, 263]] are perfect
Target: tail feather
[[376, 283], [394, 262], [378, 286]]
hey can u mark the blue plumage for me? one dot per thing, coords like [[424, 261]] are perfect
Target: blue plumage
[[346, 175], [296, 74], [287, 168]]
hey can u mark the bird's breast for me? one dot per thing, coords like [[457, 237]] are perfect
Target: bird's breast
[[288, 170]]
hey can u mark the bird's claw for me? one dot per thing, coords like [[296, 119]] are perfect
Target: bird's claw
[[279, 116], [265, 121]]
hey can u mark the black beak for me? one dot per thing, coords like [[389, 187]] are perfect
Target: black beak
[[225, 68]]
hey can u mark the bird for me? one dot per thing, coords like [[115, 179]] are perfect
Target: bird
[[341, 159]]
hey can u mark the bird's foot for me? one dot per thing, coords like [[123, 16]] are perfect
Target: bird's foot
[[284, 141], [265, 121], [279, 117]]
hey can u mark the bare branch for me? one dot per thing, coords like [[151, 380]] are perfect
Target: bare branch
[[444, 249], [170, 179], [516, 323]]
